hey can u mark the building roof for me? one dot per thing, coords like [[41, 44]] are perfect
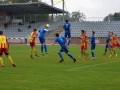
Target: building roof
[[33, 7]]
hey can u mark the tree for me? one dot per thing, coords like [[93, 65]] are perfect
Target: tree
[[113, 17], [77, 16]]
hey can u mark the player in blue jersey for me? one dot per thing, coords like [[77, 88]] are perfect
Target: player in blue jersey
[[62, 42], [67, 29], [93, 45], [107, 46], [41, 35]]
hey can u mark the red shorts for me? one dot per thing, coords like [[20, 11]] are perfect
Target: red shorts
[[5, 50], [83, 48], [112, 46], [32, 44], [117, 45]]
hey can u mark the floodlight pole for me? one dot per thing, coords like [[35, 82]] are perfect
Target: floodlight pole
[[63, 9], [52, 6]]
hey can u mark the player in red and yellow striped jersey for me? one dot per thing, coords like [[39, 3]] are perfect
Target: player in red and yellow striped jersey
[[4, 46], [83, 44], [32, 42], [117, 43], [112, 44]]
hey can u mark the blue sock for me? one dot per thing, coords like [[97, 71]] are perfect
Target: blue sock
[[42, 49], [45, 47], [60, 55], [70, 56], [92, 54], [69, 42]]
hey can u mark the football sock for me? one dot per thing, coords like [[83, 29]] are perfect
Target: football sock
[[81, 53], [105, 50], [114, 51], [70, 56], [45, 47], [9, 58], [69, 41], [35, 51], [60, 55], [42, 49], [1, 60], [31, 51], [92, 54]]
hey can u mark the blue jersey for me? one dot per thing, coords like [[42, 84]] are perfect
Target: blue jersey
[[61, 41], [93, 39], [67, 27], [42, 32], [108, 38]]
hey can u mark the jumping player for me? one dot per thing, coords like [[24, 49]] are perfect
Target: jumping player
[[4, 46], [93, 45], [107, 46], [67, 29], [41, 34], [32, 43], [62, 42]]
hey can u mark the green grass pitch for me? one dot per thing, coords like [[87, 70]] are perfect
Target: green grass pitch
[[45, 73]]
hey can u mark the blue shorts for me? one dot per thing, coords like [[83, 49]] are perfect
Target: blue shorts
[[64, 49], [42, 40], [107, 45], [67, 35], [92, 46]]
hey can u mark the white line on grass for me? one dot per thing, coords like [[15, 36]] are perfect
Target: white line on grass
[[77, 69]]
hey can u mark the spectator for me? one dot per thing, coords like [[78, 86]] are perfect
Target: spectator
[[29, 26], [19, 30]]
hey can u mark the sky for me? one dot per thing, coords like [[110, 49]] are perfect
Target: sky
[[92, 8]]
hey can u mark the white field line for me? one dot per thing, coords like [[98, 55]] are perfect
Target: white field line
[[77, 69]]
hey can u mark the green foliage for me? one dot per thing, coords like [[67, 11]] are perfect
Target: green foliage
[[45, 73], [113, 17]]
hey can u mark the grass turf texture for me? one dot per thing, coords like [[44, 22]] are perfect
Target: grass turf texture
[[45, 73]]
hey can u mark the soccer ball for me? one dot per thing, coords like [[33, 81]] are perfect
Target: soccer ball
[[47, 25]]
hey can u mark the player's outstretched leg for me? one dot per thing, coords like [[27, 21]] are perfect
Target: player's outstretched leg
[[71, 57], [114, 52], [1, 61], [9, 58], [60, 55]]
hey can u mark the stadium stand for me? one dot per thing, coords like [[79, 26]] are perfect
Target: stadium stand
[[101, 28], [24, 31]]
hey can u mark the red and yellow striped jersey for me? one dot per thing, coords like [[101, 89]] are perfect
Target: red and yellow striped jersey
[[116, 39], [3, 41], [111, 40], [32, 36], [83, 40]]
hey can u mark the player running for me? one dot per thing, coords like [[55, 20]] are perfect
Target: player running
[[93, 44], [67, 29], [107, 46], [117, 43], [62, 42], [83, 45], [32, 43], [4, 46], [41, 34]]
